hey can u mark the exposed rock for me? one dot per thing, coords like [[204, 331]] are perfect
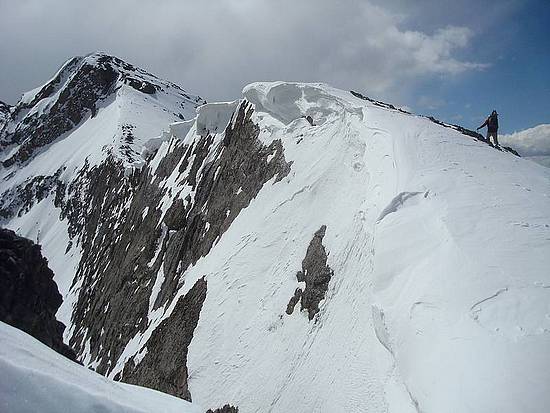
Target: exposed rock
[[78, 91], [316, 274], [19, 200], [377, 102], [175, 215], [127, 249], [294, 300], [29, 297], [75, 101], [164, 367], [4, 114], [225, 409]]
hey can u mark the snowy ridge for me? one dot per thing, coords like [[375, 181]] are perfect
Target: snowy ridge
[[426, 266], [435, 245]]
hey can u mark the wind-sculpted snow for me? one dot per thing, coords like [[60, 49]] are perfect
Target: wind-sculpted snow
[[36, 379], [421, 250]]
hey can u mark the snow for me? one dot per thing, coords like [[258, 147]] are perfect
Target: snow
[[180, 129], [424, 227], [214, 117], [439, 246], [36, 379], [28, 97], [440, 299], [90, 142]]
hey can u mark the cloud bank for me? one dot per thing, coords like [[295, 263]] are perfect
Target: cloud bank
[[533, 143], [215, 48]]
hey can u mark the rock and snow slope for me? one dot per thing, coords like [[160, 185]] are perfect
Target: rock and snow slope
[[36, 379], [373, 261], [94, 114], [4, 113], [439, 245]]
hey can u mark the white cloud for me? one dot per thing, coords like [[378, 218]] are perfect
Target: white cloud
[[215, 48], [530, 142], [533, 143]]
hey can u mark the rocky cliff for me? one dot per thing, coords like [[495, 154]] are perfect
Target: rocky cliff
[[29, 297]]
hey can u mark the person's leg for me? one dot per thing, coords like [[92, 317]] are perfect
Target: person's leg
[[496, 138], [489, 137]]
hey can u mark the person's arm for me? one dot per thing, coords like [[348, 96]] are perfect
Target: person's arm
[[484, 124]]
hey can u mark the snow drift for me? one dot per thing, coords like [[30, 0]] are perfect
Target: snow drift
[[36, 379]]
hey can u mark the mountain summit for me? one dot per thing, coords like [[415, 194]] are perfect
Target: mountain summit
[[74, 96], [301, 248]]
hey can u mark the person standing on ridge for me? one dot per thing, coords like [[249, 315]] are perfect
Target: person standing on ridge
[[492, 127]]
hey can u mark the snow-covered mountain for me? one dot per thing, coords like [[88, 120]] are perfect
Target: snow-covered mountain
[[299, 249], [90, 119], [532, 143]]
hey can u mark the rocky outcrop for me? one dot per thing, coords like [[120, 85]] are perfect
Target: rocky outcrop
[[138, 236], [461, 129], [164, 366], [316, 275], [29, 297], [4, 114], [225, 409], [20, 199], [77, 100]]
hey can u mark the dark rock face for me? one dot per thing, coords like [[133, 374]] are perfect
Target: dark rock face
[[316, 274], [29, 297], [80, 88], [4, 114], [129, 245], [164, 367], [377, 102], [77, 100], [20, 199], [225, 409]]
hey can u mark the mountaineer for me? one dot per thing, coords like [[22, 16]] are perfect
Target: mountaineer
[[492, 127]]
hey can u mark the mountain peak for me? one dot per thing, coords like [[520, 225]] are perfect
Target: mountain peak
[[81, 87]]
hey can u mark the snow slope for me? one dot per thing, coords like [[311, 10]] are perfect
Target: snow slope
[[440, 297], [36, 379], [532, 143]]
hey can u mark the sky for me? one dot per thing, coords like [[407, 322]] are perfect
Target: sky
[[455, 60]]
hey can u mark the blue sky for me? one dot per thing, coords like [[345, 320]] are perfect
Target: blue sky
[[456, 60], [517, 82]]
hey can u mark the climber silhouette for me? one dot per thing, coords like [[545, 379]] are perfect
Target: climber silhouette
[[492, 127]]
